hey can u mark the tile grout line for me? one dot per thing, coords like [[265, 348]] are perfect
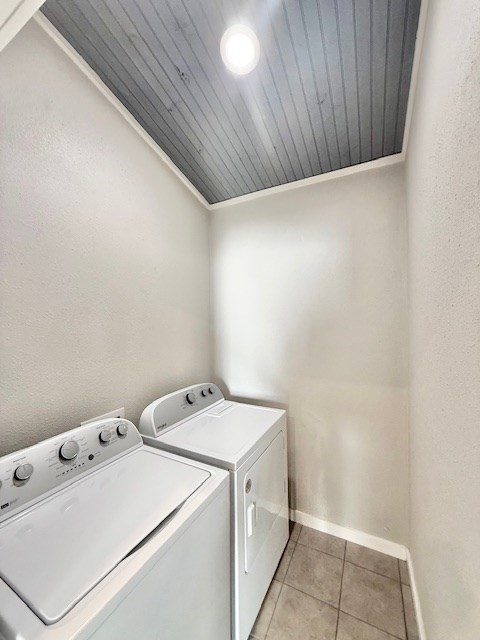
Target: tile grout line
[[346, 543], [341, 587], [282, 583], [273, 612], [350, 562], [382, 575], [400, 573], [321, 551], [328, 604], [400, 583], [403, 602], [290, 561], [369, 624]]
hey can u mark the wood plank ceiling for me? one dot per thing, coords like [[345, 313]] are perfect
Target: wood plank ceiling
[[330, 89]]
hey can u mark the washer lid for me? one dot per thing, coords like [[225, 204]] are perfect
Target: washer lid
[[225, 435], [53, 554]]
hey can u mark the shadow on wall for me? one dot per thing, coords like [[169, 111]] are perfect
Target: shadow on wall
[[346, 430], [310, 315]]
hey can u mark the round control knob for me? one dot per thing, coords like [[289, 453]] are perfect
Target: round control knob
[[105, 436], [204, 392], [211, 390], [23, 472], [122, 430], [190, 397], [69, 450]]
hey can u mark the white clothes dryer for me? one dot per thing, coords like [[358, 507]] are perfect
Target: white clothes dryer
[[251, 443], [102, 537]]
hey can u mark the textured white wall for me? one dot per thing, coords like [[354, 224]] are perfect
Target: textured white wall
[[309, 311], [104, 267], [443, 196]]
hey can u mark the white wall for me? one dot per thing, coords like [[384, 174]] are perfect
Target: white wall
[[443, 194], [104, 263], [309, 312]]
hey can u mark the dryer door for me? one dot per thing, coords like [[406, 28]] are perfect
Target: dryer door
[[263, 496]]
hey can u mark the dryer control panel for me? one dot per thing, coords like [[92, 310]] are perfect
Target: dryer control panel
[[31, 474], [170, 410]]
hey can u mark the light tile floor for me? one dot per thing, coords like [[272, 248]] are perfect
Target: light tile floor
[[329, 589]]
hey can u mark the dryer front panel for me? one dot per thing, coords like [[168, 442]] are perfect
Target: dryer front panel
[[264, 490], [261, 527]]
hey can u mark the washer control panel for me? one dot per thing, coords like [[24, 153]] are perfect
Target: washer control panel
[[28, 475], [169, 410]]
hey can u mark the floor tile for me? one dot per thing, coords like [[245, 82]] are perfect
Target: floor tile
[[352, 629], [299, 616], [410, 617], [295, 529], [374, 599], [315, 573], [260, 627], [322, 542], [373, 560], [404, 575], [284, 561]]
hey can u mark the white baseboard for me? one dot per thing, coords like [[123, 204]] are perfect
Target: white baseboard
[[416, 599], [352, 535]]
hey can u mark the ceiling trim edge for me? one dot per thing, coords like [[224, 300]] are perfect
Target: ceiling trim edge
[[396, 158], [67, 48], [422, 20], [16, 18]]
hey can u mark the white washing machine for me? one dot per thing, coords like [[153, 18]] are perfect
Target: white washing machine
[[251, 443], [102, 537]]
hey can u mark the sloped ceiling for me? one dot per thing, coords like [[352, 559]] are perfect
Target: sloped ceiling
[[330, 90]]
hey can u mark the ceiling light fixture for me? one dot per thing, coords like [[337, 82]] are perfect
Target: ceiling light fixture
[[240, 49]]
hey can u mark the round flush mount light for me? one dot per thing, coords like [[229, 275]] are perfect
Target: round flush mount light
[[240, 49]]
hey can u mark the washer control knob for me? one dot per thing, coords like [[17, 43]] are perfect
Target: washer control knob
[[190, 397], [69, 450], [122, 429], [23, 472], [211, 390], [105, 436], [204, 392]]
